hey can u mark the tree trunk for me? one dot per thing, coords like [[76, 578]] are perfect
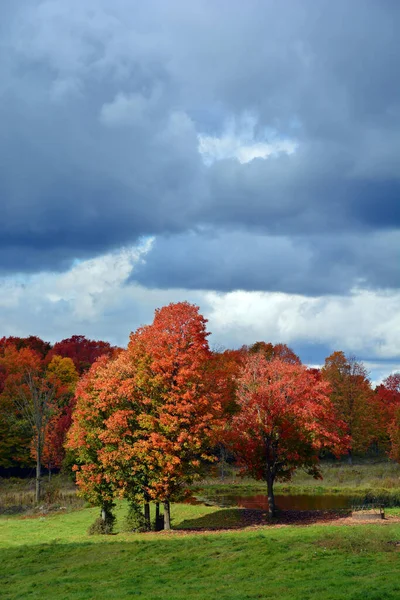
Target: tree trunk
[[147, 515], [222, 455], [38, 475], [271, 497], [350, 457], [167, 515], [158, 525], [103, 514]]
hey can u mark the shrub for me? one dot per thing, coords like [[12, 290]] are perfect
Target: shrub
[[102, 526], [135, 520]]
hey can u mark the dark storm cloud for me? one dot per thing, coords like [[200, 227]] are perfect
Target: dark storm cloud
[[101, 104], [311, 265]]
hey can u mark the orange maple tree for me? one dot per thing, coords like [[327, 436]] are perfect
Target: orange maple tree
[[181, 407], [284, 421], [84, 440], [143, 421]]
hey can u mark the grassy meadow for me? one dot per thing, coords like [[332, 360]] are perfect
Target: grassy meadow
[[52, 557], [212, 552]]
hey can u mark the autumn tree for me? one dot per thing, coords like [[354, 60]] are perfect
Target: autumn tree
[[353, 399], [180, 406], [125, 439], [32, 390], [84, 439], [394, 434], [64, 372], [109, 424], [272, 351], [222, 371], [285, 419], [388, 395], [388, 399], [15, 431], [32, 342], [82, 351]]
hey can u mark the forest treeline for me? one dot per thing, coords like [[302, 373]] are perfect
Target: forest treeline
[[141, 422]]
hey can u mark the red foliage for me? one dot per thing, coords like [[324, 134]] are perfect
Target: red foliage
[[82, 351], [32, 342], [223, 370], [388, 394], [284, 421], [388, 399], [56, 432]]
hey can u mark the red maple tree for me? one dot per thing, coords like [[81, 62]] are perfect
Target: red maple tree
[[388, 399], [285, 419], [82, 351]]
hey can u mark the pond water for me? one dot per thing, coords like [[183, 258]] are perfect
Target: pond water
[[283, 502]]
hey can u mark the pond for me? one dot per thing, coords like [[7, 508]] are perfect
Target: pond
[[283, 502]]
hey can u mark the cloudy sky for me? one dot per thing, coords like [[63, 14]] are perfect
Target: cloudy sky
[[244, 156]]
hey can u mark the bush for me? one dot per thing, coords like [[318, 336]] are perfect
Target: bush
[[52, 491], [135, 520], [102, 526]]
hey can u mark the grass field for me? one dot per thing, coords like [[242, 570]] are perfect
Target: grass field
[[52, 557]]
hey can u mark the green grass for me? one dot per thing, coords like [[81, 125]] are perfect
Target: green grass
[[52, 557]]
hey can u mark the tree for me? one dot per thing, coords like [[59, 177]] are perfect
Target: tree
[[15, 431], [33, 342], [63, 370], [388, 394], [284, 421], [222, 371], [124, 450], [82, 351], [179, 406], [388, 398], [271, 351], [84, 439], [33, 392], [353, 399]]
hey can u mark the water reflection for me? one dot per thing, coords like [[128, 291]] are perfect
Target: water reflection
[[284, 502]]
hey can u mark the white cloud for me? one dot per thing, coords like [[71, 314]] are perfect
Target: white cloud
[[97, 298], [364, 323], [239, 141]]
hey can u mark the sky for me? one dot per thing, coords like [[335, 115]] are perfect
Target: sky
[[243, 156]]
